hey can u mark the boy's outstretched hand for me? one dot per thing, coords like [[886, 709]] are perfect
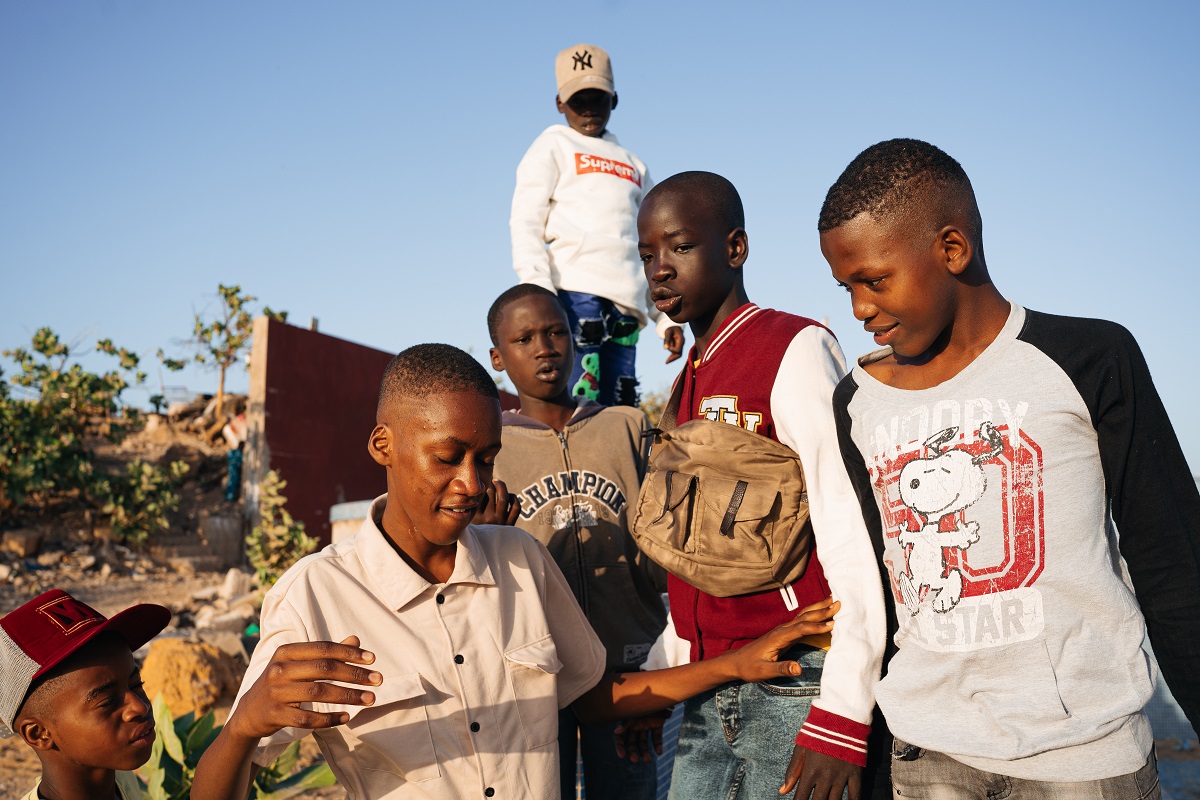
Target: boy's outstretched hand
[[759, 660], [499, 507], [300, 673]]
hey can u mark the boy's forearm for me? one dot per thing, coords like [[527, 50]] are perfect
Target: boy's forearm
[[226, 769], [635, 694]]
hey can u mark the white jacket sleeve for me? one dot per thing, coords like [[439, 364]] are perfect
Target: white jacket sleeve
[[537, 175], [802, 407]]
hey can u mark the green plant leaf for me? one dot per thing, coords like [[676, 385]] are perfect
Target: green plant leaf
[[165, 727], [286, 761], [154, 784], [315, 777], [198, 734], [183, 725]]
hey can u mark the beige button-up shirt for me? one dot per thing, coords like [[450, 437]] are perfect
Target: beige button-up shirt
[[474, 670]]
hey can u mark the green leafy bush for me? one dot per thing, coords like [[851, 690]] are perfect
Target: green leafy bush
[[278, 541], [44, 429], [42, 435], [139, 499], [180, 743]]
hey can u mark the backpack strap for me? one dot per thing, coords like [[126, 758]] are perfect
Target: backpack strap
[[667, 422], [735, 503]]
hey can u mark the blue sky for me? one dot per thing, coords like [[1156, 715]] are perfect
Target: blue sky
[[354, 161]]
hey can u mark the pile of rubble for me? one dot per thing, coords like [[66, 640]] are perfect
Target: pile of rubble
[[231, 607], [29, 565], [200, 416]]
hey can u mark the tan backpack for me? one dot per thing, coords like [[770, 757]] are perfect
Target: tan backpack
[[722, 508]]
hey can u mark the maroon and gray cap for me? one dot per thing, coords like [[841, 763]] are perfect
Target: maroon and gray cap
[[41, 634]]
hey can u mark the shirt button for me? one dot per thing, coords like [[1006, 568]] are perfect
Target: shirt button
[[474, 727], [459, 659], [441, 598], [488, 792]]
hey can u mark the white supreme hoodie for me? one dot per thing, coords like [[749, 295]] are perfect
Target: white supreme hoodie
[[574, 219]]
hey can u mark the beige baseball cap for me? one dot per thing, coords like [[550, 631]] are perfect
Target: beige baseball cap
[[583, 66]]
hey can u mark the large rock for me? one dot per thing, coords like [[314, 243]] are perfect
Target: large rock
[[191, 676], [236, 583], [25, 543]]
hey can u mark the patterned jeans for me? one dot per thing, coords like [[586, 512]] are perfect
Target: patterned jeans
[[605, 349]]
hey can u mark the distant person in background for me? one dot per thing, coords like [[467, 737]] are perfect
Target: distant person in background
[[574, 231], [576, 466], [70, 689]]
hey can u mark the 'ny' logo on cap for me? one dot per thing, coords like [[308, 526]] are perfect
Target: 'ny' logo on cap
[[582, 61], [68, 614]]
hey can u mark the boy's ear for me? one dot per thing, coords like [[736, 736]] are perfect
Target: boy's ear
[[739, 247], [614, 105], [497, 359], [380, 444], [35, 734], [558, 104], [954, 249]]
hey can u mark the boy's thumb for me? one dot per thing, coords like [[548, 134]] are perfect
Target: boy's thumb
[[351, 640], [790, 667]]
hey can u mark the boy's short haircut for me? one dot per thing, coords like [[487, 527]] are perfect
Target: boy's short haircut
[[902, 179], [425, 369], [519, 292], [714, 191], [47, 630]]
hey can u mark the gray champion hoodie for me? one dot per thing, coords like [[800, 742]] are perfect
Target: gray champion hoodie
[[576, 488]]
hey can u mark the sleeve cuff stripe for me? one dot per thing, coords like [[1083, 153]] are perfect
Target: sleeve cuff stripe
[[828, 735], [805, 732]]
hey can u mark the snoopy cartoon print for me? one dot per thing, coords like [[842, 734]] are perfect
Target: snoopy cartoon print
[[942, 484]]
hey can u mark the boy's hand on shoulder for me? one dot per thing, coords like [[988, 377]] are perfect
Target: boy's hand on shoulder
[[499, 507], [300, 673], [759, 660], [818, 775], [673, 341]]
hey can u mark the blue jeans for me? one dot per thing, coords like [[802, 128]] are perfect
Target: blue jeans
[[605, 777], [736, 741], [930, 775], [605, 349]]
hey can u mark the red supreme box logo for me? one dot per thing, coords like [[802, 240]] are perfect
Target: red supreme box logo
[[585, 163]]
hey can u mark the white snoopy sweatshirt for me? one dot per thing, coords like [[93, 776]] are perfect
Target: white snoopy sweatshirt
[[997, 501], [574, 219]]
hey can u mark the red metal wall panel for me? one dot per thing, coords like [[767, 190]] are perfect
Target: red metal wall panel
[[318, 407]]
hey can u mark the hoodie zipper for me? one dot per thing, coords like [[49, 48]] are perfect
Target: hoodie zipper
[[579, 559]]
